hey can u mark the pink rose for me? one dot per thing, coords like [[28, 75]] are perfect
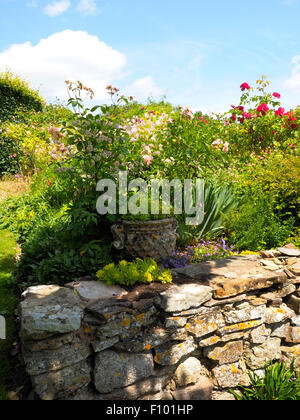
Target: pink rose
[[148, 159], [280, 111], [226, 147], [245, 86], [276, 95], [263, 108]]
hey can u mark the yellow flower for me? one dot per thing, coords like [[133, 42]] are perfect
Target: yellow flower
[[148, 277], [109, 266], [99, 274], [123, 262]]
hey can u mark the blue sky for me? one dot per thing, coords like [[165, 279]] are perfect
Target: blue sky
[[196, 53]]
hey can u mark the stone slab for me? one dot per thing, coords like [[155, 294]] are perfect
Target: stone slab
[[246, 314], [256, 357], [166, 355], [183, 297], [232, 276], [227, 376], [201, 391], [229, 353], [63, 383], [295, 269], [118, 370], [44, 361], [289, 252], [94, 290], [50, 310], [188, 372]]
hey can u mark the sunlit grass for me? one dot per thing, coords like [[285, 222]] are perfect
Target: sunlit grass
[[11, 186], [7, 303]]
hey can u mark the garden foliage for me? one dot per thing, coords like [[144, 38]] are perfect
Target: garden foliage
[[280, 382], [15, 94], [131, 273], [248, 158]]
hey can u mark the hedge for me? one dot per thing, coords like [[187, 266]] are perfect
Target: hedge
[[15, 94]]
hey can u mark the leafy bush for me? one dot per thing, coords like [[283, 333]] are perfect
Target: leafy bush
[[63, 245], [275, 176], [61, 238], [280, 383], [131, 273], [28, 138], [9, 156], [49, 259], [270, 211], [15, 93], [259, 124], [255, 226]]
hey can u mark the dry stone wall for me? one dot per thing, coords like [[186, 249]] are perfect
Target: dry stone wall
[[194, 339]]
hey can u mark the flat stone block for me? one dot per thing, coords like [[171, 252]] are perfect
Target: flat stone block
[[49, 310], [232, 276], [182, 297], [118, 370], [63, 383], [201, 391], [94, 290]]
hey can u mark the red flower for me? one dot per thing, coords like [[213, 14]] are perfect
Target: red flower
[[280, 111], [247, 115], [245, 86], [276, 95], [263, 109]]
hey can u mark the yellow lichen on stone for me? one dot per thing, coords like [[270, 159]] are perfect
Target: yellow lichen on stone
[[126, 322], [140, 317], [158, 357], [234, 369]]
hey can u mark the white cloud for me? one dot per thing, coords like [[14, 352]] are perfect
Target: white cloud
[[57, 8], [144, 88], [293, 82], [72, 55], [87, 7]]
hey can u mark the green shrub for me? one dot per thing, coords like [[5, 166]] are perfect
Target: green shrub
[[280, 383], [277, 177], [50, 259], [131, 273], [61, 235], [9, 156], [255, 226], [15, 94]]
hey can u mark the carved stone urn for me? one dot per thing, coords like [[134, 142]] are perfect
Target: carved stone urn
[[155, 238]]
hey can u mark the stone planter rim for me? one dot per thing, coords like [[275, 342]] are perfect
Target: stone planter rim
[[143, 222]]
